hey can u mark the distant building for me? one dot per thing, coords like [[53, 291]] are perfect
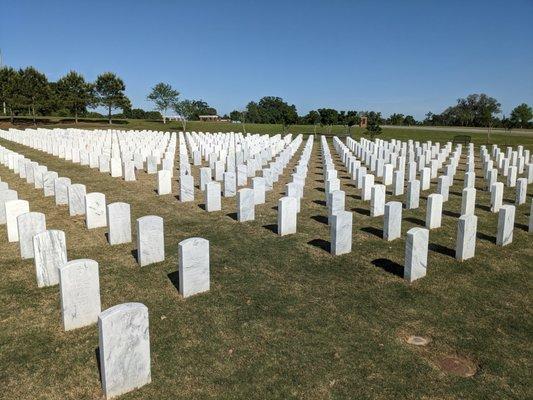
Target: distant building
[[209, 118], [171, 117], [363, 122]]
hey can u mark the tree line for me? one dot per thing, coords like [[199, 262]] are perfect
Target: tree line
[[29, 92]]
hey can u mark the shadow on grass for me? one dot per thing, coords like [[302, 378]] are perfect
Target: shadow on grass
[[320, 218], [362, 211], [321, 244], [437, 248], [232, 215], [174, 278], [272, 227], [319, 202], [355, 196], [373, 231], [482, 236], [135, 255], [202, 206], [97, 356], [482, 207], [389, 266], [451, 213], [321, 190], [522, 226], [416, 221]]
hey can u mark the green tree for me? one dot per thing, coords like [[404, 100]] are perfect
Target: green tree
[[74, 93], [521, 115], [396, 119], [187, 110], [487, 107], [352, 119], [236, 115], [328, 117], [34, 90], [409, 120], [163, 96], [373, 129], [271, 110], [10, 94], [312, 118], [109, 90]]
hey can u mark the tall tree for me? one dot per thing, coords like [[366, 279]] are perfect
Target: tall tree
[[487, 107], [74, 93], [236, 115], [352, 119], [34, 89], [373, 129], [163, 96], [521, 115], [328, 117], [396, 119], [313, 118], [409, 120], [187, 109], [109, 90], [10, 90]]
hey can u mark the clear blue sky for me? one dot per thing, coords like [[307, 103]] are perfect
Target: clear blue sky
[[390, 56]]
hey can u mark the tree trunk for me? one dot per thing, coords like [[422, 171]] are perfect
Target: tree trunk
[[109, 115], [12, 115], [33, 114], [76, 116], [314, 129], [184, 124]]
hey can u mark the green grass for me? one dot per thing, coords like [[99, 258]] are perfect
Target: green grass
[[284, 319]]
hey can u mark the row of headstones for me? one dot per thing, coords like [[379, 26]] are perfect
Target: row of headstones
[[416, 261], [121, 165], [490, 176], [467, 224], [124, 343], [230, 148], [213, 188], [79, 143], [519, 158], [434, 207], [444, 184], [340, 220], [232, 179], [247, 154], [115, 216], [233, 166]]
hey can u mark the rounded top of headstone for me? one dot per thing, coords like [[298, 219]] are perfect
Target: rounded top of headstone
[[194, 242], [50, 232], [16, 202], [122, 308], [150, 218], [417, 231], [31, 214], [118, 204], [80, 261]]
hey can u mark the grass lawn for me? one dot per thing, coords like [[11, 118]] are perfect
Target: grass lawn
[[284, 319]]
